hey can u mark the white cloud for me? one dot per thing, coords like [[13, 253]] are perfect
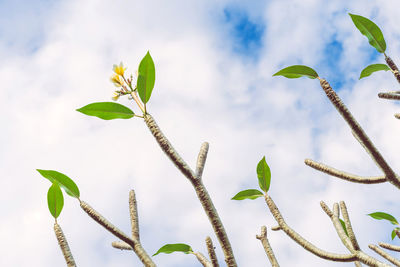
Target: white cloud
[[204, 92]]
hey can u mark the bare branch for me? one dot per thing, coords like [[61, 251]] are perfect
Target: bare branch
[[303, 242], [62, 241], [344, 175], [357, 264], [134, 216], [200, 189], [360, 255], [267, 247], [393, 66], [384, 254], [136, 246], [121, 245], [361, 135], [389, 246], [389, 95], [201, 160], [211, 252], [202, 259], [276, 228], [349, 228]]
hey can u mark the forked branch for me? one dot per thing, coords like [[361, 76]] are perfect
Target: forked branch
[[195, 179], [362, 137], [267, 247]]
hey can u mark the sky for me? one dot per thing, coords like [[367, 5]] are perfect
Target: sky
[[214, 64]]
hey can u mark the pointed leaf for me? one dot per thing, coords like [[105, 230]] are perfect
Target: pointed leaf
[[55, 199], [393, 235], [344, 226], [264, 175], [371, 31], [169, 248], [107, 111], [373, 68], [248, 194], [64, 181], [384, 216], [146, 78], [297, 71]]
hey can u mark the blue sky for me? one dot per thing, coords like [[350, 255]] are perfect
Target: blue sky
[[214, 66]]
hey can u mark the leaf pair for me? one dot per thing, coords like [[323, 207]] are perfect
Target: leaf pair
[[387, 217], [55, 199], [367, 28], [264, 181]]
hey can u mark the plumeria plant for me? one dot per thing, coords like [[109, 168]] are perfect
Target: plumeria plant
[[140, 92]]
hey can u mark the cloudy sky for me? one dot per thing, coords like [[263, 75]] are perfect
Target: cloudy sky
[[214, 64]]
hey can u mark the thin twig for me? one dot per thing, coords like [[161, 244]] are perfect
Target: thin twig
[[211, 252], [267, 247], [359, 132], [393, 66], [357, 264], [390, 96], [349, 228], [134, 216], [201, 160], [344, 175], [384, 254], [121, 245], [202, 259], [62, 241], [200, 189], [389, 246]]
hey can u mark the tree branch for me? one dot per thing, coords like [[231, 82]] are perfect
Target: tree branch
[[393, 66], [360, 134], [344, 175], [134, 216], [62, 241], [267, 247], [390, 95], [211, 252], [389, 246], [384, 254], [202, 259], [349, 228], [200, 189], [135, 244], [303, 242]]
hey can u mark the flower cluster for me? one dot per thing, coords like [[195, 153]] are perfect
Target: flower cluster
[[118, 79]]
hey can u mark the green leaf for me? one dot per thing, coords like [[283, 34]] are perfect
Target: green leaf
[[248, 194], [55, 199], [169, 248], [384, 216], [107, 111], [64, 181], [394, 232], [146, 78], [264, 175], [297, 71], [371, 31], [344, 226], [373, 68]]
